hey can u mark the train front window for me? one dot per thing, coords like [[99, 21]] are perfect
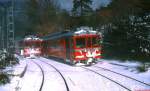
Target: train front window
[[80, 42], [89, 41], [32, 44], [95, 41]]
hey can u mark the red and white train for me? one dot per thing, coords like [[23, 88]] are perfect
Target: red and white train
[[31, 46], [79, 46]]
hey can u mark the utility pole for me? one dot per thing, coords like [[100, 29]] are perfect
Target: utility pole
[[1, 34], [3, 28], [10, 28], [2, 19]]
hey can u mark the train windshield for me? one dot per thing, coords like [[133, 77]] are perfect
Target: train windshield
[[89, 42], [95, 41], [80, 43], [32, 44]]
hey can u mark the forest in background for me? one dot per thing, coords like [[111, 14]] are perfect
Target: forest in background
[[125, 24]]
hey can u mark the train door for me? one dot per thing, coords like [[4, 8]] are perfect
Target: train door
[[67, 49]]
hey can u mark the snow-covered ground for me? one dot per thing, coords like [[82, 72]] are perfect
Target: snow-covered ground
[[77, 78], [127, 67]]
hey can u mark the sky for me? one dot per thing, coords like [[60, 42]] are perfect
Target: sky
[[67, 4]]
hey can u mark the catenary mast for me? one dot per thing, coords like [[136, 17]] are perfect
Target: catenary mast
[[10, 27]]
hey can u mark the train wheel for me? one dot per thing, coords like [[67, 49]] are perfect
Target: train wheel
[[80, 63], [72, 62], [89, 61]]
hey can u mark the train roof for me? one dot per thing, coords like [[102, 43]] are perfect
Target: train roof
[[77, 31]]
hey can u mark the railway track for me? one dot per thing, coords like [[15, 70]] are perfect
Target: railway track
[[43, 77], [24, 71], [121, 65], [65, 82], [126, 88], [122, 75]]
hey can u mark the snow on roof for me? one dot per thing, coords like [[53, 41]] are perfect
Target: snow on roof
[[31, 37], [85, 30]]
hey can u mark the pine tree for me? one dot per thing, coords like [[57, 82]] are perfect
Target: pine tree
[[128, 34], [42, 14], [32, 10], [81, 13], [81, 7]]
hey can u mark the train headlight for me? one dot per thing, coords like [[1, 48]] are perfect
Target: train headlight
[[81, 56], [38, 50], [26, 51]]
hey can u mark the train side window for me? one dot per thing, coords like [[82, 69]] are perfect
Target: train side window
[[72, 43]]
